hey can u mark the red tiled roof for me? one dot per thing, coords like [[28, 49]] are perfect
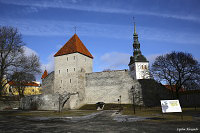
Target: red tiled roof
[[173, 88], [74, 45], [12, 83], [44, 75]]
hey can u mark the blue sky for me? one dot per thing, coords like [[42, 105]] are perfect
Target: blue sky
[[105, 27]]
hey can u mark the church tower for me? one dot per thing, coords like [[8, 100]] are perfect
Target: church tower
[[138, 66], [72, 61]]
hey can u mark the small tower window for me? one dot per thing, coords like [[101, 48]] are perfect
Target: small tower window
[[70, 80], [67, 58], [61, 81], [59, 71], [74, 69], [74, 57], [67, 70], [85, 59]]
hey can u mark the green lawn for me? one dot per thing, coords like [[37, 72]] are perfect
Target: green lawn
[[156, 114], [49, 113]]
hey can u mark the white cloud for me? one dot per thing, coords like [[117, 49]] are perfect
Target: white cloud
[[30, 9], [29, 51], [114, 60], [106, 7], [174, 16], [60, 28], [49, 66], [151, 58]]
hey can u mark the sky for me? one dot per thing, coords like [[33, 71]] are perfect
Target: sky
[[105, 27]]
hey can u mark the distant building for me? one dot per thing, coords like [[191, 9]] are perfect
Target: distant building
[[31, 88], [173, 88]]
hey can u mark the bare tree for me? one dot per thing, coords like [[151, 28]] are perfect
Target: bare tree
[[11, 48], [24, 71], [14, 64], [178, 69], [20, 79]]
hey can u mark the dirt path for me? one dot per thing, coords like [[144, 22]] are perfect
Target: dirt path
[[100, 122]]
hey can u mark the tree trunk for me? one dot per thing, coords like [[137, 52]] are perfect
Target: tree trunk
[[177, 93]]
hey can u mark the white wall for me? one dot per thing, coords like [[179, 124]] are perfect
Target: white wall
[[67, 70], [107, 87], [142, 70]]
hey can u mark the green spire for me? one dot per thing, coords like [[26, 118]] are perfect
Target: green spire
[[137, 54], [136, 43], [135, 29]]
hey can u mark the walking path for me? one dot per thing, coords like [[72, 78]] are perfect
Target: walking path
[[103, 121]]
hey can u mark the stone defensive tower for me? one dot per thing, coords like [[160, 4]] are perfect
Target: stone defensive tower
[[139, 66], [72, 61]]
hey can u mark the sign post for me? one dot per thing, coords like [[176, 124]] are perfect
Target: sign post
[[170, 106]]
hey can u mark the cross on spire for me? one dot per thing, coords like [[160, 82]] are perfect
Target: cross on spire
[[75, 29], [134, 25]]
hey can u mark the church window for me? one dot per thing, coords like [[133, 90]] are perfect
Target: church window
[[145, 67]]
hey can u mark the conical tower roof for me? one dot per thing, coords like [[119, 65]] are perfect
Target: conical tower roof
[[74, 45], [44, 75]]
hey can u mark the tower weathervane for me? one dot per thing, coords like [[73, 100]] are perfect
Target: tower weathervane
[[75, 29], [134, 25]]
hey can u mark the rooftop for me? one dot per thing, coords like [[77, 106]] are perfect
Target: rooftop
[[74, 45]]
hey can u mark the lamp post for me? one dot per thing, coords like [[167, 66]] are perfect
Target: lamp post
[[120, 102], [133, 100]]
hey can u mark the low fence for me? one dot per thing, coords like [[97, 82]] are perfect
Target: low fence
[[190, 98]]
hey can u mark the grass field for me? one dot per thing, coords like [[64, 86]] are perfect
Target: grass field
[[49, 113], [154, 113]]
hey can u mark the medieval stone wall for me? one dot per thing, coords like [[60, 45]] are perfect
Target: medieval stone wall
[[40, 102], [48, 84], [68, 69], [4, 105], [108, 86]]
